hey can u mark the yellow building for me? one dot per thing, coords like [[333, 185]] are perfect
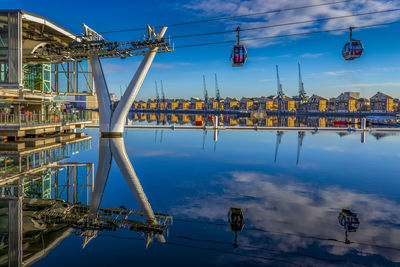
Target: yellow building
[[382, 102], [142, 105], [184, 104], [152, 104], [135, 105], [316, 103], [246, 103], [172, 104], [163, 105], [346, 102], [267, 103], [285, 103], [197, 104], [231, 103]]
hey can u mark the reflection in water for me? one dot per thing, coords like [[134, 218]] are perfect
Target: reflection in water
[[44, 201], [278, 142], [349, 221], [300, 221], [300, 137], [278, 219], [115, 147]]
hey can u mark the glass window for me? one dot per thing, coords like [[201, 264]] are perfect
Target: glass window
[[3, 47], [10, 54]]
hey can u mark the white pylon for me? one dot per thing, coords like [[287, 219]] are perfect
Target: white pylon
[[112, 121]]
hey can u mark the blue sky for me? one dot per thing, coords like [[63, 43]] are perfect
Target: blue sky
[[324, 70]]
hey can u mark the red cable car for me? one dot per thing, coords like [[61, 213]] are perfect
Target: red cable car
[[353, 49], [239, 52]]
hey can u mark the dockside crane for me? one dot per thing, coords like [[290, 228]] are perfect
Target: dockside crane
[[163, 95], [205, 92], [302, 92], [157, 96], [217, 93], [278, 142], [280, 93], [300, 137]]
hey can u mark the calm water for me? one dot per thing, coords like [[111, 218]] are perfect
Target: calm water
[[290, 196]]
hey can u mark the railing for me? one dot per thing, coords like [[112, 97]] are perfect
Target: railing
[[32, 118]]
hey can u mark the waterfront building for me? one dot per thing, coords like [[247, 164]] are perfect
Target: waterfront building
[[152, 104], [197, 103], [142, 104], [285, 103], [317, 103], [346, 102], [363, 104], [163, 105], [382, 102], [172, 104], [267, 103], [301, 101], [231, 104], [183, 104], [246, 103], [214, 104], [30, 114]]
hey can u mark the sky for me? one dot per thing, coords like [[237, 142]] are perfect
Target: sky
[[324, 70]]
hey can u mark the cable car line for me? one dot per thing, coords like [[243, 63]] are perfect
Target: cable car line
[[233, 17], [287, 24], [289, 35]]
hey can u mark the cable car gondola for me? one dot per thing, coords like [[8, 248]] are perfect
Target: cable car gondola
[[239, 52], [353, 49]]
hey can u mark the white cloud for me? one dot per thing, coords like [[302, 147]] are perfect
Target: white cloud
[[339, 72], [358, 85], [217, 8], [170, 65], [312, 55]]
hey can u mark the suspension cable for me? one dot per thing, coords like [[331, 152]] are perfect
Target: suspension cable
[[290, 35], [286, 24], [232, 17]]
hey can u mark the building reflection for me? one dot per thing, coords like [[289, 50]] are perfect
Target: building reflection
[[45, 199]]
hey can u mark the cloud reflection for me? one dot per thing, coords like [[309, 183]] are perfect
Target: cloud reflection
[[275, 204]]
